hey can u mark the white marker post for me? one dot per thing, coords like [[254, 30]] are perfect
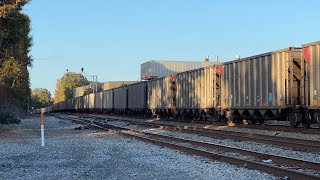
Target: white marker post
[[42, 128]]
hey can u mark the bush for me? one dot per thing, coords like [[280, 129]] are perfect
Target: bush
[[10, 114]]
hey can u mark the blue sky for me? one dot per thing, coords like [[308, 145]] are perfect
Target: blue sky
[[111, 38]]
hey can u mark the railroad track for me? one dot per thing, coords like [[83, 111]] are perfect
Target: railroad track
[[270, 127], [292, 143], [281, 166]]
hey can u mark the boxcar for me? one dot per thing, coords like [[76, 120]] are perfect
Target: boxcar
[[311, 56], [265, 86], [137, 98]]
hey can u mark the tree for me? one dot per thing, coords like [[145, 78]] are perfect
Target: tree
[[10, 72], [9, 6], [40, 97], [65, 85], [15, 44]]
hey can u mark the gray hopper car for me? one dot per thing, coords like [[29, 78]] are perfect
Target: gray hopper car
[[86, 103], [120, 99], [160, 96], [108, 101], [91, 102], [78, 104], [198, 92], [137, 98], [311, 56], [265, 86], [70, 105], [98, 99]]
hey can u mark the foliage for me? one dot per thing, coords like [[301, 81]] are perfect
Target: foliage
[[66, 84], [6, 8], [10, 70], [40, 98], [10, 114], [10, 6], [15, 44]]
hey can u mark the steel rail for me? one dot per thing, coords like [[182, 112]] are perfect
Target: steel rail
[[269, 127]]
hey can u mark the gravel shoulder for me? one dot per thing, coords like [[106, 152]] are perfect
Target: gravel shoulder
[[95, 154]]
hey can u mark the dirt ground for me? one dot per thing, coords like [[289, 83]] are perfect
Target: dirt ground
[[95, 154]]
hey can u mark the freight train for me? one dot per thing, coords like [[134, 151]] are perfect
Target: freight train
[[278, 85]]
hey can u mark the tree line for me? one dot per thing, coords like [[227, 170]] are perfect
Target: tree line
[[41, 97]]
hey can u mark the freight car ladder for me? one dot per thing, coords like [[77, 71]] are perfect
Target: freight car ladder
[[217, 86], [173, 108], [295, 91]]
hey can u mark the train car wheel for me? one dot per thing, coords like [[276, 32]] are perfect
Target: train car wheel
[[253, 120], [294, 120], [317, 118], [306, 122], [261, 121]]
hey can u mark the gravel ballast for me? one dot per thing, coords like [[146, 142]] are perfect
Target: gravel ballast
[[247, 145], [296, 135], [95, 154]]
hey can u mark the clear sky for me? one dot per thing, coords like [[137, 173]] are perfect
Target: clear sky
[[111, 38]]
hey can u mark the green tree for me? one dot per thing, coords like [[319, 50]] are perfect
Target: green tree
[[15, 44], [40, 97], [66, 84]]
